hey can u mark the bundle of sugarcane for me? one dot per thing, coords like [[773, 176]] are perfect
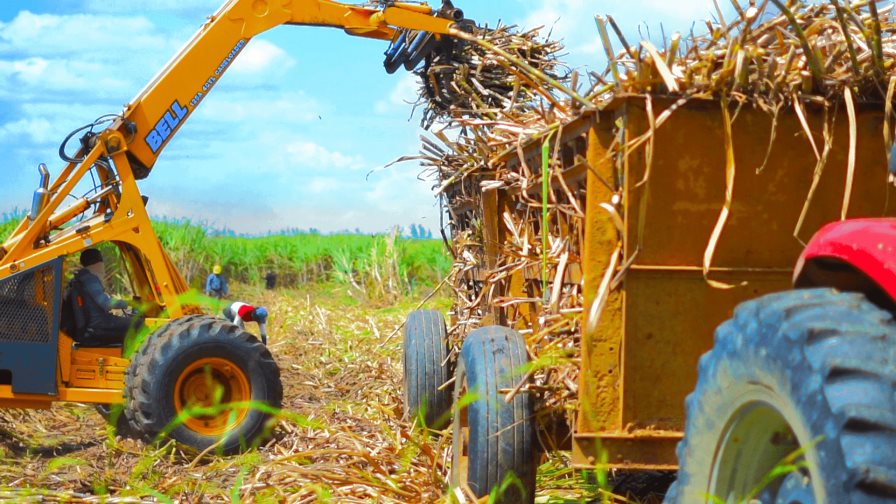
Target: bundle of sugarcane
[[478, 80], [505, 88], [799, 51], [532, 258]]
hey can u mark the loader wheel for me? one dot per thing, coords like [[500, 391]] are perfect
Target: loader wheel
[[201, 381], [115, 417], [426, 368], [795, 404], [493, 443]]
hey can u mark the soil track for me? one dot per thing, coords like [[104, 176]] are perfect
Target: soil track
[[341, 438]]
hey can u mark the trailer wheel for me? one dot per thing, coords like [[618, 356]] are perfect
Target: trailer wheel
[[493, 444], [426, 368], [203, 381], [796, 403]]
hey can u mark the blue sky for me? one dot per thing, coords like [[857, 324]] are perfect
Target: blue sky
[[287, 139]]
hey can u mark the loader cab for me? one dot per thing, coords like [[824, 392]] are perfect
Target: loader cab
[[30, 304], [128, 274], [39, 361], [78, 307]]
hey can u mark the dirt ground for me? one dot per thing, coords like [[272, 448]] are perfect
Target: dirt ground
[[341, 437]]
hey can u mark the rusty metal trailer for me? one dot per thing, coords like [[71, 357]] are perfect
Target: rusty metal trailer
[[682, 219]]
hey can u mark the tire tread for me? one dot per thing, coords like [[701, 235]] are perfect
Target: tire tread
[[142, 405], [840, 345]]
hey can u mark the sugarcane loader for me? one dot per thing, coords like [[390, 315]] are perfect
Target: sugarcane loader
[[198, 378]]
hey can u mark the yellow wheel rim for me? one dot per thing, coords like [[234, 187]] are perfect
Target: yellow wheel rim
[[212, 384]]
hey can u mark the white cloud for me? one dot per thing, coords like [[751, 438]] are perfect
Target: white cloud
[[255, 153], [262, 58], [562, 18], [27, 69], [44, 125], [92, 57], [241, 105], [39, 130], [569, 16], [51, 34], [321, 185], [39, 77], [304, 153], [405, 92], [398, 189], [256, 216], [208, 7]]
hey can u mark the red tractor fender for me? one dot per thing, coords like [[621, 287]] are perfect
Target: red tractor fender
[[852, 255]]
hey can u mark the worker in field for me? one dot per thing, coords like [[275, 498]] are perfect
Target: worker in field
[[239, 313], [216, 283], [93, 322]]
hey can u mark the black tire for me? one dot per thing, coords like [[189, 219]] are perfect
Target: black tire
[[493, 444], [164, 374], [426, 369], [115, 417], [807, 374]]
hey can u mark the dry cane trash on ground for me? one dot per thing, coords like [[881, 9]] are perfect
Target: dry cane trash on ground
[[343, 439], [510, 88]]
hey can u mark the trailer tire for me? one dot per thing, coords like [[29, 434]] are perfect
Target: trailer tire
[[206, 362], [809, 374], [426, 368], [493, 444]]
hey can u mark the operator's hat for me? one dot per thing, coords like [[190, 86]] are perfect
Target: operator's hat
[[91, 256]]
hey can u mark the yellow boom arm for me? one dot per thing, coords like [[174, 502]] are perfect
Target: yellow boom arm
[[127, 150], [160, 109]]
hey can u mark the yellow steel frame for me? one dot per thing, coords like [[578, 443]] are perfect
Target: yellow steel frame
[[127, 151], [640, 360]]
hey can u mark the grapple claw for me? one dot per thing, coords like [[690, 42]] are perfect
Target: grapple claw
[[411, 48]]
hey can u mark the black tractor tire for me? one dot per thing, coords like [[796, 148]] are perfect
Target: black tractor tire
[[203, 361], [116, 418], [493, 443], [426, 369], [796, 403]]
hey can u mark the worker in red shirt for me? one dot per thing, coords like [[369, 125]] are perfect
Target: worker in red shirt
[[239, 313]]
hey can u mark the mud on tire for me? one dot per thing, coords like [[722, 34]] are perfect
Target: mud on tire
[[206, 362]]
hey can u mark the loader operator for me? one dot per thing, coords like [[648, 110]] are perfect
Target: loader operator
[[94, 323]]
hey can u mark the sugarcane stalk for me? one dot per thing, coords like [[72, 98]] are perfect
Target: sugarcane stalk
[[608, 47], [673, 49], [876, 44], [526, 67], [808, 52]]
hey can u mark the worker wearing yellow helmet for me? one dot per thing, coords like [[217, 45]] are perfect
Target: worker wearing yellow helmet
[[216, 284]]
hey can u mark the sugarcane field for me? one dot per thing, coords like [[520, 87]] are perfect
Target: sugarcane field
[[659, 273]]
